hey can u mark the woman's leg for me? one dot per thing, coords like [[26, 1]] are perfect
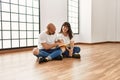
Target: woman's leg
[[66, 54], [75, 53], [76, 50]]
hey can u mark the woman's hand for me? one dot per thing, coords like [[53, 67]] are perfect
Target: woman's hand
[[70, 51]]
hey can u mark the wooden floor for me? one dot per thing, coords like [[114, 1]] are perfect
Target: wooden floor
[[98, 62]]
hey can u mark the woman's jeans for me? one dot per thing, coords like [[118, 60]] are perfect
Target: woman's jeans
[[51, 53], [75, 50]]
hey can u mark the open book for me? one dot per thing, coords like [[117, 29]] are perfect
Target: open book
[[64, 45]]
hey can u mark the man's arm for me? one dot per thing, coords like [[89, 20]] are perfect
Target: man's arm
[[48, 46]]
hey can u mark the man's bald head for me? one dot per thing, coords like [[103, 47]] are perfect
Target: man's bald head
[[51, 28]]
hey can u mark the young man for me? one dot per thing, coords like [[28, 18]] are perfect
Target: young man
[[47, 45]]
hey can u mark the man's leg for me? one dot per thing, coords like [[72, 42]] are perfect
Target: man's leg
[[40, 53], [43, 54], [35, 51], [60, 57], [49, 54], [55, 53]]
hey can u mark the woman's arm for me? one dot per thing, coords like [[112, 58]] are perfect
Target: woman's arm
[[70, 49]]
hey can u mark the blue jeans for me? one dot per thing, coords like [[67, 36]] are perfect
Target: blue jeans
[[51, 53], [75, 50]]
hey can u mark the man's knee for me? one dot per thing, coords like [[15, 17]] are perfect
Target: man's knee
[[35, 51]]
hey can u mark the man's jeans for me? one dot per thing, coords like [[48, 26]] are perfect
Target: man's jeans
[[51, 53], [75, 50]]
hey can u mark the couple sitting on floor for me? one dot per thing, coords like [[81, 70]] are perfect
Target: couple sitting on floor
[[56, 46]]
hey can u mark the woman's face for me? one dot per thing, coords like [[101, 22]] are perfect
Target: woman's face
[[64, 29]]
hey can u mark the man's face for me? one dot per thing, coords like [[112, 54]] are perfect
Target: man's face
[[52, 30]]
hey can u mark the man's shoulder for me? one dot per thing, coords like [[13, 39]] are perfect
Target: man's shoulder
[[42, 33]]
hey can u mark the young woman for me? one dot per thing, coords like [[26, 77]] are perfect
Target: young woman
[[66, 36]]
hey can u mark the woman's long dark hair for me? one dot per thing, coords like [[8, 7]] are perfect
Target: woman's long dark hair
[[70, 33]]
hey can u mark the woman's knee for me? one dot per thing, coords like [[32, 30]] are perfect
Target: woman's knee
[[77, 49]]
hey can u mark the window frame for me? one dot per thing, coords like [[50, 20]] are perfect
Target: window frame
[[27, 40], [78, 28]]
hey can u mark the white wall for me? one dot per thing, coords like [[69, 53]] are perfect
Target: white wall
[[85, 22], [111, 20], [105, 20], [118, 20], [54, 11], [99, 20]]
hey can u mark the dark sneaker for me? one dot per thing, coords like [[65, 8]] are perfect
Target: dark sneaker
[[59, 58], [69, 56], [64, 56], [41, 60], [38, 58], [76, 56]]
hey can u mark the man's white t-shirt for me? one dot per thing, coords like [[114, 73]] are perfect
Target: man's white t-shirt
[[45, 38]]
